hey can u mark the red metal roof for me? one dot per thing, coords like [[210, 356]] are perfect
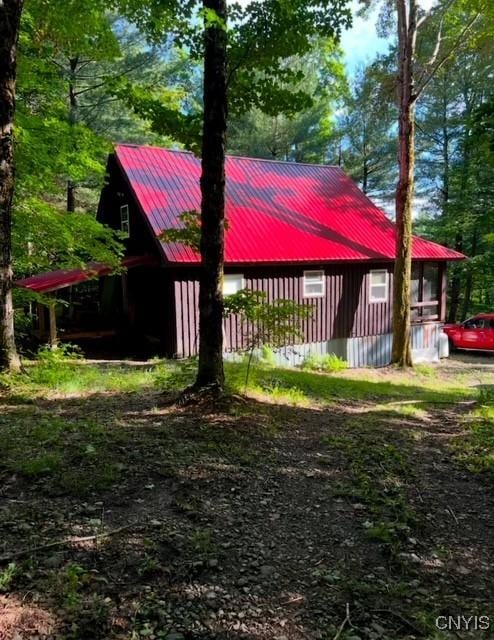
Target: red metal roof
[[53, 280], [276, 211]]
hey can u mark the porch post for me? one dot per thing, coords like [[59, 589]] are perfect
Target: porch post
[[443, 281], [52, 323]]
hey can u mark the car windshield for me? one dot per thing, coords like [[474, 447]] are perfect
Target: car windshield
[[475, 323]]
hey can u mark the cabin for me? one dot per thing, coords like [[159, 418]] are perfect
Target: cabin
[[299, 231]]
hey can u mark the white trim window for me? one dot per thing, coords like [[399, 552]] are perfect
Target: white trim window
[[378, 285], [232, 283], [314, 284], [125, 220]]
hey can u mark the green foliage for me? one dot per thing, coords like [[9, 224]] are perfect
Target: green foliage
[[327, 362], [272, 324], [266, 324], [7, 576], [476, 449], [365, 134], [189, 234], [70, 584], [379, 473], [63, 370], [456, 164], [303, 136], [268, 356], [264, 73]]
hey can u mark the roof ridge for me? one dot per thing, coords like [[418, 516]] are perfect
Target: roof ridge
[[233, 156]]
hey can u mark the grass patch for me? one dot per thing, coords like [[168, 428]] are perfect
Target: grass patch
[[476, 449], [379, 474], [304, 388], [328, 362], [75, 455]]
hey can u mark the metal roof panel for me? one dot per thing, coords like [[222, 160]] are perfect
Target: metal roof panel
[[276, 211]]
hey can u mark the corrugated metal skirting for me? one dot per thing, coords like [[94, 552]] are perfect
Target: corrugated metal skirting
[[367, 351]]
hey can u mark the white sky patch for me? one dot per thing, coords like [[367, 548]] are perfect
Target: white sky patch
[[427, 4]]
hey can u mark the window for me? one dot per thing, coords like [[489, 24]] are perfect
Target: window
[[232, 283], [476, 323], [425, 291], [314, 284], [378, 286], [124, 219]]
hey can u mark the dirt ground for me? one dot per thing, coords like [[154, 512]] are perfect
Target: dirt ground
[[345, 520]]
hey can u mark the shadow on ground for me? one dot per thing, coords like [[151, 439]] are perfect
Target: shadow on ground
[[260, 521]]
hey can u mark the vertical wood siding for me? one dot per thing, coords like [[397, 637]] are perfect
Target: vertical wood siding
[[344, 312]]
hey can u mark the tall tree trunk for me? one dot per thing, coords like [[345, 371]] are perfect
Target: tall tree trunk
[[365, 176], [10, 15], [401, 354], [210, 371], [445, 145], [457, 279], [455, 289], [73, 105], [467, 298]]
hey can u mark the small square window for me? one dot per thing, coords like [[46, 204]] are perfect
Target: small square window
[[124, 219], [378, 285], [314, 284], [232, 283]]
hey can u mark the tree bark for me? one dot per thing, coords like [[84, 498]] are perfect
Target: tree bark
[[401, 353], [210, 370], [10, 15], [467, 299], [73, 105], [455, 290]]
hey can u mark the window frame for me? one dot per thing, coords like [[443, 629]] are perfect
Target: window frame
[[227, 276], [420, 305], [385, 284], [322, 275], [125, 219]]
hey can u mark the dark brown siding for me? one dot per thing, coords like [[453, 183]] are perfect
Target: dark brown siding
[[186, 288], [116, 193], [344, 311]]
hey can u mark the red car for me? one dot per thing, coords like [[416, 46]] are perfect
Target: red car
[[474, 333]]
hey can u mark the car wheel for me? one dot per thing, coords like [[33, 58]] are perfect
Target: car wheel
[[452, 347]]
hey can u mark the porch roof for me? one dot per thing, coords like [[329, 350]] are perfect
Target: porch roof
[[52, 280]]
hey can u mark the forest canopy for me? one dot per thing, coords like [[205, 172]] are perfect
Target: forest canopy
[[134, 73]]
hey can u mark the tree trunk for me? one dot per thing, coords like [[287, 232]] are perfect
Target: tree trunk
[[210, 371], [467, 298], [10, 15], [73, 105], [401, 354], [455, 290]]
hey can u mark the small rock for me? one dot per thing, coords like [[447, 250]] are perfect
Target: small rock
[[411, 557], [266, 570]]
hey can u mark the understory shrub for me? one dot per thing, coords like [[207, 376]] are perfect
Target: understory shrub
[[327, 362]]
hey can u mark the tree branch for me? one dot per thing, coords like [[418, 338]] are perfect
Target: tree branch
[[424, 83]]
